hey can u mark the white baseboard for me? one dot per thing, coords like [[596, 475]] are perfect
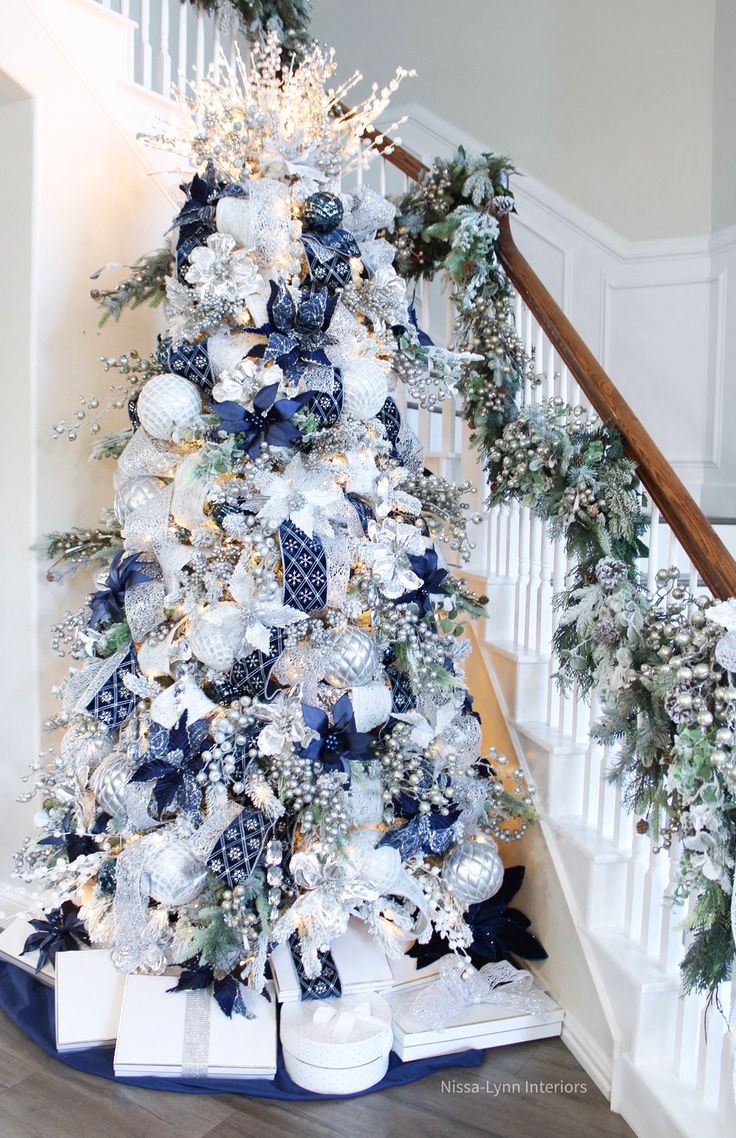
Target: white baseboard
[[589, 1055]]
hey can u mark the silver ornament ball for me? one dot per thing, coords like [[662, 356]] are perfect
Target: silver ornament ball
[[109, 783], [173, 876], [473, 870], [134, 493], [353, 659], [365, 387], [215, 635]]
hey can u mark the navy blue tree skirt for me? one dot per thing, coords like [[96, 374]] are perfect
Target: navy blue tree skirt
[[30, 1005]]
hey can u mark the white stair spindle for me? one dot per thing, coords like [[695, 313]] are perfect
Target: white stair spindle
[[199, 51], [146, 51], [163, 59], [182, 58]]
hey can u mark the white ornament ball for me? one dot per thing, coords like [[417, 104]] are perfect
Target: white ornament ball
[[109, 783], [353, 658], [216, 636], [473, 870], [168, 406], [134, 493], [365, 387], [173, 875]]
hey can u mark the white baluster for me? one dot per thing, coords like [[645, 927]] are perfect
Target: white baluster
[[125, 8], [671, 939], [145, 34], [653, 891], [653, 561], [163, 59], [536, 537], [182, 59], [199, 47], [635, 883]]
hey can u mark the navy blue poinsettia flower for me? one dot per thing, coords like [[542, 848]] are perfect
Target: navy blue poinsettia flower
[[499, 931], [174, 760], [433, 578], [227, 990], [108, 603], [337, 742], [61, 931], [270, 421], [68, 841], [201, 197], [297, 333]]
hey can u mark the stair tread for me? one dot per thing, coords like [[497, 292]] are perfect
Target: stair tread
[[628, 957], [594, 845], [549, 737], [515, 651]]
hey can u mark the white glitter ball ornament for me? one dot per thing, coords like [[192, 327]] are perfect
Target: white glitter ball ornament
[[173, 875], [109, 783], [365, 387], [216, 635], [473, 870], [169, 406], [134, 493], [353, 659]]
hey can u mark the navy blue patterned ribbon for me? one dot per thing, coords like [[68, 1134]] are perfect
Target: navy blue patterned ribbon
[[191, 361], [327, 405], [305, 569], [402, 695], [390, 416], [250, 675], [113, 704], [237, 852], [323, 987]]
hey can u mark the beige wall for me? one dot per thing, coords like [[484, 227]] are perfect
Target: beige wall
[[724, 116], [610, 104]]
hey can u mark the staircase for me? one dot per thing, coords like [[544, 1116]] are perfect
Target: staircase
[[598, 893]]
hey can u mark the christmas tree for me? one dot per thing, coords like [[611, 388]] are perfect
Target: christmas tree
[[268, 729]]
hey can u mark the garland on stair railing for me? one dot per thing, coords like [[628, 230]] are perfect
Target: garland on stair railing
[[662, 661], [288, 18]]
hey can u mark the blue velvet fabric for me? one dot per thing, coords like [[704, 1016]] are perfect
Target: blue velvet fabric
[[30, 1005]]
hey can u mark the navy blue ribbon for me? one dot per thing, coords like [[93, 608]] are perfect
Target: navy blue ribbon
[[305, 569]]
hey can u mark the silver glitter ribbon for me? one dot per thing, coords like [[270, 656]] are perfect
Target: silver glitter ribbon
[[196, 1042], [460, 985]]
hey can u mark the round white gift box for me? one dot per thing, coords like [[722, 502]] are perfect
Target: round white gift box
[[335, 1080], [337, 1046]]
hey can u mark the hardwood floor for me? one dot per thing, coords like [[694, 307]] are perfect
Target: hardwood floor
[[40, 1098]]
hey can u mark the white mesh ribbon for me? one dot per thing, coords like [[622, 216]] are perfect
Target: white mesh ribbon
[[460, 985], [81, 687], [144, 456]]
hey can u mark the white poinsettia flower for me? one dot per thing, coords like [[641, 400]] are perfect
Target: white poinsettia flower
[[261, 612], [245, 380], [284, 723], [305, 497], [387, 554], [426, 729], [386, 496], [223, 271]]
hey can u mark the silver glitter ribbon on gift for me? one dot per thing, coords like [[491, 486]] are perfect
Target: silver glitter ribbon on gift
[[196, 1042], [460, 984]]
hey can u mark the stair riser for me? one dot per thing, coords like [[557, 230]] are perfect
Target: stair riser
[[559, 776], [522, 684]]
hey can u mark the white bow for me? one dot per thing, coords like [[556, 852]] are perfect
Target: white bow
[[342, 1020]]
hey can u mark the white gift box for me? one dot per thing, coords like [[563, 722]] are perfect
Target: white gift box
[[89, 995], [337, 1046], [477, 1025], [406, 975], [360, 961], [153, 1042], [12, 940]]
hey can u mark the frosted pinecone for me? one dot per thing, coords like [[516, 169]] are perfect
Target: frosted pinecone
[[609, 571]]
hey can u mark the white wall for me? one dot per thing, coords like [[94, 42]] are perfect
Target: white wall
[[609, 104], [78, 183], [724, 116]]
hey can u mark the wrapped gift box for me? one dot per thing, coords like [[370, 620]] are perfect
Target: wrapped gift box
[[407, 975], [477, 1025], [337, 1046], [12, 940], [360, 961], [89, 995], [153, 1042]]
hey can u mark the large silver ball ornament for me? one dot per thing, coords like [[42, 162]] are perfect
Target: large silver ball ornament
[[109, 783], [134, 493], [353, 659], [173, 875], [365, 388], [473, 870], [216, 634], [169, 406]]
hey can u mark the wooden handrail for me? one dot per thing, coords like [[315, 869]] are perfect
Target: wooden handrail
[[679, 509]]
